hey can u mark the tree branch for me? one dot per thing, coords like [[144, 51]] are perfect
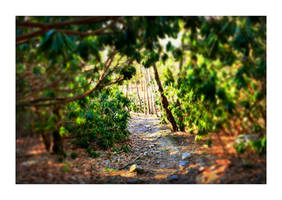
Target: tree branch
[[82, 20], [23, 38], [56, 101], [46, 27]]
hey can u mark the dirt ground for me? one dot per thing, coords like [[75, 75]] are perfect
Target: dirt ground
[[156, 156]]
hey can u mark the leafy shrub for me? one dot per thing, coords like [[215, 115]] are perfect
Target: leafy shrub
[[240, 148], [92, 153], [100, 119], [215, 84], [259, 145], [198, 138]]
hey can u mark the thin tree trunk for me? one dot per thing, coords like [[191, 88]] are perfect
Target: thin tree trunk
[[144, 93], [180, 118], [126, 90], [151, 92], [144, 97], [147, 93], [154, 89], [137, 91], [58, 147], [164, 101], [45, 136]]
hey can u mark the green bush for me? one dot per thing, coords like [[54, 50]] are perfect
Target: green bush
[[100, 119], [92, 153], [240, 148], [259, 145], [221, 77]]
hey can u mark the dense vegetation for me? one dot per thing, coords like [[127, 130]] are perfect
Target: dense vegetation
[[214, 80], [222, 83], [102, 119]]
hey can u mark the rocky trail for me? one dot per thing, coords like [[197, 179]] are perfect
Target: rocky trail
[[161, 159], [156, 155]]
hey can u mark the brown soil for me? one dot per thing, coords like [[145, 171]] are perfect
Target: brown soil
[[158, 151]]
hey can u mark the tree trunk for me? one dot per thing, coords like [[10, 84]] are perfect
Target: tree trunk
[[180, 118], [45, 136], [151, 93], [137, 91], [58, 145], [46, 140], [154, 97], [164, 101], [144, 97], [144, 93], [126, 90], [147, 93]]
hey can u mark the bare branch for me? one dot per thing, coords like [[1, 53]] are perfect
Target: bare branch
[[23, 38], [46, 27], [81, 20]]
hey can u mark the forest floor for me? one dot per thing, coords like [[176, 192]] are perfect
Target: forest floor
[[156, 155]]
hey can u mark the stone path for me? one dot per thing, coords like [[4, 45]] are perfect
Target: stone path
[[156, 155], [161, 160]]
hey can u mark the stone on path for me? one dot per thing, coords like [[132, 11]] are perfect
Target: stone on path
[[183, 163], [202, 163], [186, 155], [28, 163], [136, 168], [245, 139], [172, 177], [175, 154], [132, 180]]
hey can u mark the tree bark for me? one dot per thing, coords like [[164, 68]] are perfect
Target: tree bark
[[127, 89], [44, 27], [154, 97], [137, 91], [58, 145], [164, 100], [147, 93], [45, 136], [151, 93], [144, 93]]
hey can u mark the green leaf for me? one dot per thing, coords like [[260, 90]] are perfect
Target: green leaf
[[128, 72], [109, 170], [69, 42], [46, 41], [80, 120], [137, 56], [63, 131]]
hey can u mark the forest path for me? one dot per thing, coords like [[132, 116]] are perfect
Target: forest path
[[156, 155], [162, 158], [154, 150]]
